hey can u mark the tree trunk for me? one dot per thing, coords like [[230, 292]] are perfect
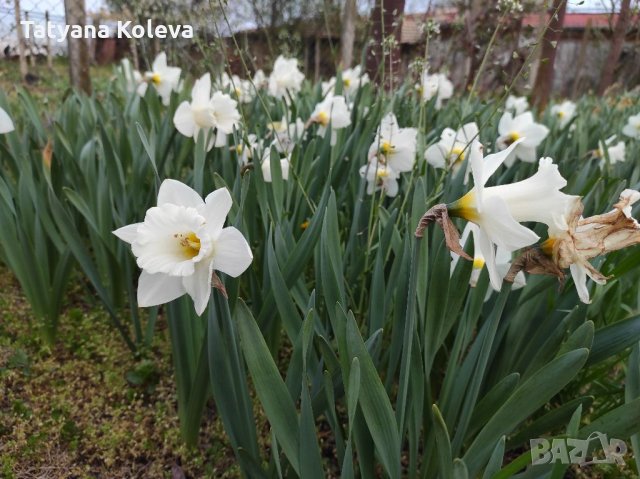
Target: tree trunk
[[78, 50], [49, 51], [30, 45], [316, 59], [386, 20], [544, 76], [617, 41], [24, 69], [579, 65], [470, 40], [132, 43], [348, 36]]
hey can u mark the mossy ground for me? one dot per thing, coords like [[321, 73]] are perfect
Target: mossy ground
[[73, 410]]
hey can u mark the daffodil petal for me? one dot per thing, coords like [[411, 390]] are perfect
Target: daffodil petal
[[232, 253], [127, 233], [177, 193], [579, 275], [184, 121], [435, 156], [216, 207], [533, 134], [6, 124], [198, 285], [487, 249], [502, 228], [159, 288], [201, 92]]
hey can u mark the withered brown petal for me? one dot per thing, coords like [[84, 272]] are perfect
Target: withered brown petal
[[440, 215], [534, 261]]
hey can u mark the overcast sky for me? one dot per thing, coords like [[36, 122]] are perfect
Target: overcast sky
[[56, 8], [585, 6]]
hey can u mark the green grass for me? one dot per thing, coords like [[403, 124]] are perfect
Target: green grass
[[51, 85]]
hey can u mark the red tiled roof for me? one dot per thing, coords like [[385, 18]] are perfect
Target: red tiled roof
[[576, 20], [412, 23], [411, 31]]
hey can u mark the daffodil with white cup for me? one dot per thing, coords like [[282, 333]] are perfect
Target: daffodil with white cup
[[632, 128], [564, 112], [521, 127], [205, 113], [392, 152], [180, 244], [242, 89], [286, 134], [452, 149], [164, 78], [331, 112], [352, 80], [266, 165], [286, 78], [499, 210], [615, 152], [516, 104], [260, 80], [245, 149], [380, 177], [435, 85], [394, 146]]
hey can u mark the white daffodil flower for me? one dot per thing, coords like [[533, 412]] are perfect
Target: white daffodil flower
[[6, 124], [380, 177], [575, 240], [181, 242], [285, 77], [205, 113], [523, 127], [332, 111], [436, 85], [632, 128], [615, 153], [245, 91], [328, 87], [502, 257], [266, 166], [242, 89], [498, 210], [353, 79], [286, 134], [452, 148], [244, 151], [564, 112], [394, 146], [164, 78], [132, 77], [260, 79], [517, 104]]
